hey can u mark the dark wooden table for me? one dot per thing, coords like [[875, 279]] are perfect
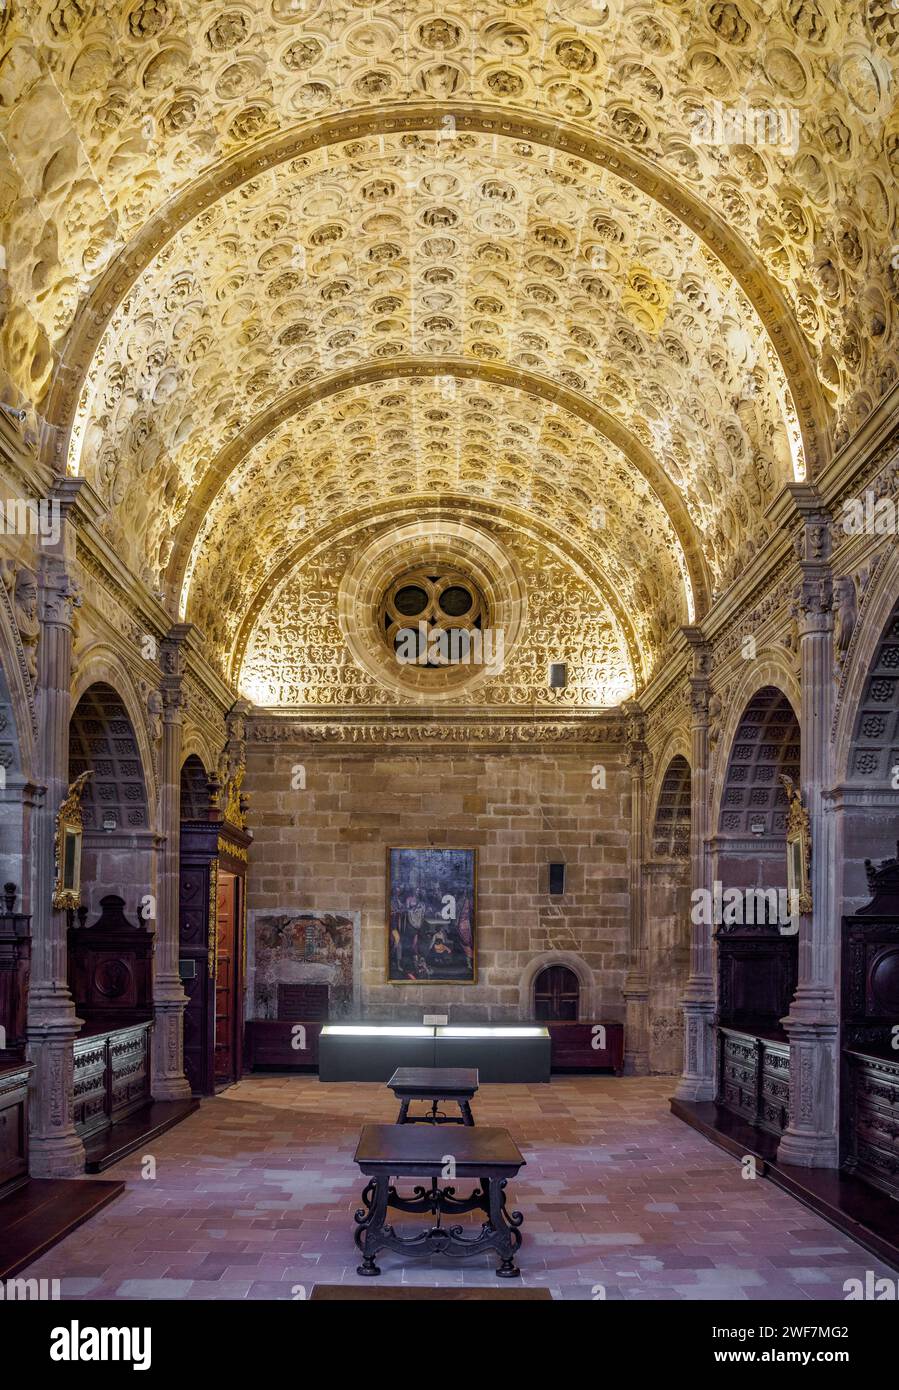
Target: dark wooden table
[[434, 1084], [489, 1156]]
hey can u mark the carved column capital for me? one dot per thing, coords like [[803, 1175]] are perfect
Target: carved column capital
[[60, 593]]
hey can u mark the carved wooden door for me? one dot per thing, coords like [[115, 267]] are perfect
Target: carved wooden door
[[226, 973]]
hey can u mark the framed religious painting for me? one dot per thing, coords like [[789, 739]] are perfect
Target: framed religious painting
[[432, 916]]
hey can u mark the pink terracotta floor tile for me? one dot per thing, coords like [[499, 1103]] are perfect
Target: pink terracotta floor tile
[[255, 1193]]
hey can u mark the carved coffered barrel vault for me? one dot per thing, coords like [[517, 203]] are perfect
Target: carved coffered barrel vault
[[698, 1081], [636, 982], [614, 153], [169, 999], [279, 417], [811, 1139], [55, 1150]]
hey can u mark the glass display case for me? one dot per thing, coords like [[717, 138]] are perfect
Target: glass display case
[[372, 1051]]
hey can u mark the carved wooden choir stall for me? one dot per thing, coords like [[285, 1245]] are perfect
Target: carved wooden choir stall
[[870, 1066], [213, 941], [15, 959], [757, 972], [111, 981]]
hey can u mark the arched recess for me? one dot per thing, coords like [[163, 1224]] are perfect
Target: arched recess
[[572, 962], [101, 663], [875, 611], [667, 891], [752, 807], [122, 270], [13, 867], [194, 789], [293, 402], [17, 690], [770, 669], [194, 743], [17, 725], [119, 848], [869, 795]]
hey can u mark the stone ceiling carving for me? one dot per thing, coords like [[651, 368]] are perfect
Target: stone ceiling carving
[[266, 271], [491, 250], [436, 437], [294, 654]]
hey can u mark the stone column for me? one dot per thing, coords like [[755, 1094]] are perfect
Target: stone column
[[699, 1004], [636, 982], [811, 1140], [55, 1150], [169, 999]]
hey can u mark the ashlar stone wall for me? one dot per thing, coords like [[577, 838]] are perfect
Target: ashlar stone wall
[[324, 846]]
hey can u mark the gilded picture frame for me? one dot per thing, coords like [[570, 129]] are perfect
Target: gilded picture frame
[[799, 849], [67, 847], [431, 910]]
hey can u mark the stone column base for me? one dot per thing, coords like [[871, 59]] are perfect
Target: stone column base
[[699, 1081], [811, 1139], [55, 1149], [168, 1081]]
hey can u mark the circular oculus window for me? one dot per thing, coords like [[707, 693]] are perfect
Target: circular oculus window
[[429, 616]]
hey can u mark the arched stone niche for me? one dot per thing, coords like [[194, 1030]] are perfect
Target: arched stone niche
[[575, 963], [119, 839], [869, 796]]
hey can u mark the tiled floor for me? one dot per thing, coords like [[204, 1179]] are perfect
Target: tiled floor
[[254, 1195]]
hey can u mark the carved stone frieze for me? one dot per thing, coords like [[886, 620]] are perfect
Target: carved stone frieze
[[598, 729]]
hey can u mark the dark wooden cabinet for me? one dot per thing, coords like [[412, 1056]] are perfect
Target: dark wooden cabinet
[[738, 1062], [15, 968], [873, 1112], [212, 924], [774, 1097], [13, 1125], [576, 1046], [111, 966], [274, 1043]]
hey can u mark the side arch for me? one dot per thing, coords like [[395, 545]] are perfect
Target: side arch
[[871, 623], [771, 668], [100, 664], [677, 745], [575, 963]]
